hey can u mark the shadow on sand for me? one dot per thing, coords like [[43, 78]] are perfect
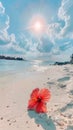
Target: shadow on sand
[[43, 120], [67, 106]]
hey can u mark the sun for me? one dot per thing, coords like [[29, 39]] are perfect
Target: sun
[[37, 25]]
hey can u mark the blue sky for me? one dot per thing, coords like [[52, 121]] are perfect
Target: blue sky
[[55, 44]]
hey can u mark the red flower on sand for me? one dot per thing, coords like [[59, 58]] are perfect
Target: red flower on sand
[[38, 100]]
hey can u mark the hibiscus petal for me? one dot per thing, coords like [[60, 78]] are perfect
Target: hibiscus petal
[[45, 94], [34, 93], [41, 108], [31, 104]]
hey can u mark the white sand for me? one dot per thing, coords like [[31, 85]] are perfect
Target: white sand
[[15, 91]]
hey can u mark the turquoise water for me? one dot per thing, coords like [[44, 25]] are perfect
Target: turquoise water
[[13, 66], [10, 66]]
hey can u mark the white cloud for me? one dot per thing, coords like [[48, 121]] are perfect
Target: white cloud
[[60, 31], [63, 28], [2, 9], [4, 24], [7, 41], [53, 31], [65, 13]]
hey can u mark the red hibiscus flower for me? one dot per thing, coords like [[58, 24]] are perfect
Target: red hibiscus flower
[[38, 100]]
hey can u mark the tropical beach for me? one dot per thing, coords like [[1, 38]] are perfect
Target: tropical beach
[[36, 65]]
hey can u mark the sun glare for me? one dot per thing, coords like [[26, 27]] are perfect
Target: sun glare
[[37, 25]]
